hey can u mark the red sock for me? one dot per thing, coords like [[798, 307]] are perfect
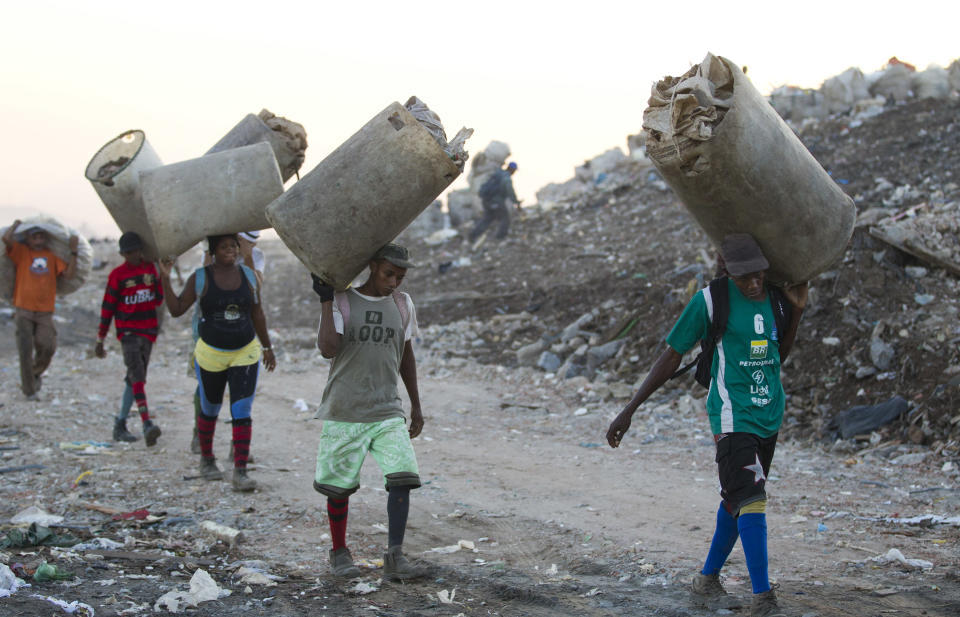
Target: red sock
[[241, 442], [337, 513], [140, 396], [205, 427]]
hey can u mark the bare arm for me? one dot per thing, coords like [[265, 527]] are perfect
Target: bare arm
[[8, 234], [71, 270], [260, 325], [664, 368], [408, 373], [797, 296], [177, 305], [328, 339]]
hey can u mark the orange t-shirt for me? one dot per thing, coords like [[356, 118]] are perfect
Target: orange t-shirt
[[37, 272]]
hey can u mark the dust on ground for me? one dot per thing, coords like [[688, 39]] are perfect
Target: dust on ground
[[524, 510]]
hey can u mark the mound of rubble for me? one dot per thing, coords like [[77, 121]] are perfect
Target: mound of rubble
[[591, 279]]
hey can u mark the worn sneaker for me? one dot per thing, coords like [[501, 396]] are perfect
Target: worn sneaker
[[241, 481], [396, 567], [209, 469], [120, 432], [709, 592], [765, 605], [151, 432], [341, 563]]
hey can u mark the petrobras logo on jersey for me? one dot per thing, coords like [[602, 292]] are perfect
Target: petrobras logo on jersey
[[755, 363], [758, 349]]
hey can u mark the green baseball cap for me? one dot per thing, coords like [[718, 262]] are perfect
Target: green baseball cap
[[395, 254]]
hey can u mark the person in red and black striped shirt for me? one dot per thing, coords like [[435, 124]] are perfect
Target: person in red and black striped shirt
[[131, 300]]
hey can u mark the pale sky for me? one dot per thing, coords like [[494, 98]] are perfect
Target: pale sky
[[560, 82]]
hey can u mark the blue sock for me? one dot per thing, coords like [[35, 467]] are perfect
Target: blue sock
[[126, 402], [753, 538], [724, 538]]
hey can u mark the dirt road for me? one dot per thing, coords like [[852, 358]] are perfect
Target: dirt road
[[514, 465]]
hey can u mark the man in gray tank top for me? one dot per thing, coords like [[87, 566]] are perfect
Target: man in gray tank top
[[367, 331]]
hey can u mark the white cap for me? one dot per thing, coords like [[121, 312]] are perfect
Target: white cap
[[250, 236]]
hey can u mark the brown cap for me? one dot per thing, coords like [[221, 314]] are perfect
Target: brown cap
[[742, 255]]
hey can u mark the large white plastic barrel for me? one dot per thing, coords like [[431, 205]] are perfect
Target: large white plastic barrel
[[114, 172], [362, 195], [225, 192], [738, 167]]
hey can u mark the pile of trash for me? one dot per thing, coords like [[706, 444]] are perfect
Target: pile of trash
[[592, 277], [866, 95]]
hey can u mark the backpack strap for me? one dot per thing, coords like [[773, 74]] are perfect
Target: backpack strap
[[252, 279], [717, 297], [401, 302], [343, 303], [199, 280]]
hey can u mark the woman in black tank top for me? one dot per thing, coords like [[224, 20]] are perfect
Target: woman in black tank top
[[231, 317]]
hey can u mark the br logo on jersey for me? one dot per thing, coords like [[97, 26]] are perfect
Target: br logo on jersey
[[758, 349], [39, 265]]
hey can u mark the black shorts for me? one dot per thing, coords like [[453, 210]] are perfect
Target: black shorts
[[743, 462], [136, 356]]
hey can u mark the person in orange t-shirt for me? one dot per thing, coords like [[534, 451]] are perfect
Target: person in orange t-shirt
[[34, 298]]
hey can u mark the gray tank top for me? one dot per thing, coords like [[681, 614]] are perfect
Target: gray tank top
[[362, 385]]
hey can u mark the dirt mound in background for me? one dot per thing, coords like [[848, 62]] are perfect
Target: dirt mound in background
[[631, 252]]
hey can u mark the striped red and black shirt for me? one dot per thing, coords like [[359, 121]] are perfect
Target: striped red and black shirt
[[132, 297]]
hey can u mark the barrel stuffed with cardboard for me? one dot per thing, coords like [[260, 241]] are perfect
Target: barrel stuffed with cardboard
[[367, 191], [738, 167]]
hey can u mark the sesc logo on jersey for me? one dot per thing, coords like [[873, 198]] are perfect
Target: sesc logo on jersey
[[758, 350]]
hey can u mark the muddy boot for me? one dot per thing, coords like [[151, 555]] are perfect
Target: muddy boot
[[341, 563], [151, 432], [397, 568], [209, 469], [120, 432], [765, 605], [195, 442], [708, 592], [241, 481]]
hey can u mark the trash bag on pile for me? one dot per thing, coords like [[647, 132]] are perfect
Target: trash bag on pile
[[737, 167], [59, 243]]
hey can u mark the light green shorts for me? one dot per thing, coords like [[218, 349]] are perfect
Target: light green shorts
[[344, 446]]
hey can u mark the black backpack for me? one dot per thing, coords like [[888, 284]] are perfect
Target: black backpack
[[490, 187], [720, 296]]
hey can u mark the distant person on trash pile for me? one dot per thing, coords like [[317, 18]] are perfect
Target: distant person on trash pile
[[131, 299], [227, 351], [252, 257], [34, 298], [496, 195], [368, 331], [745, 405]]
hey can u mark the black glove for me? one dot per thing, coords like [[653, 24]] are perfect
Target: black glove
[[323, 290]]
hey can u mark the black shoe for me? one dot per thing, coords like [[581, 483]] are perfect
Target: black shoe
[[120, 432], [151, 432]]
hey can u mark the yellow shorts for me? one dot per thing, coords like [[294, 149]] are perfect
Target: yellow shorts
[[218, 360]]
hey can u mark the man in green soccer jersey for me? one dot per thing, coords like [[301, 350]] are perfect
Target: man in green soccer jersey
[[745, 407]]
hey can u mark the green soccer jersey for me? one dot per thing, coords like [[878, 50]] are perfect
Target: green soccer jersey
[[745, 390]]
